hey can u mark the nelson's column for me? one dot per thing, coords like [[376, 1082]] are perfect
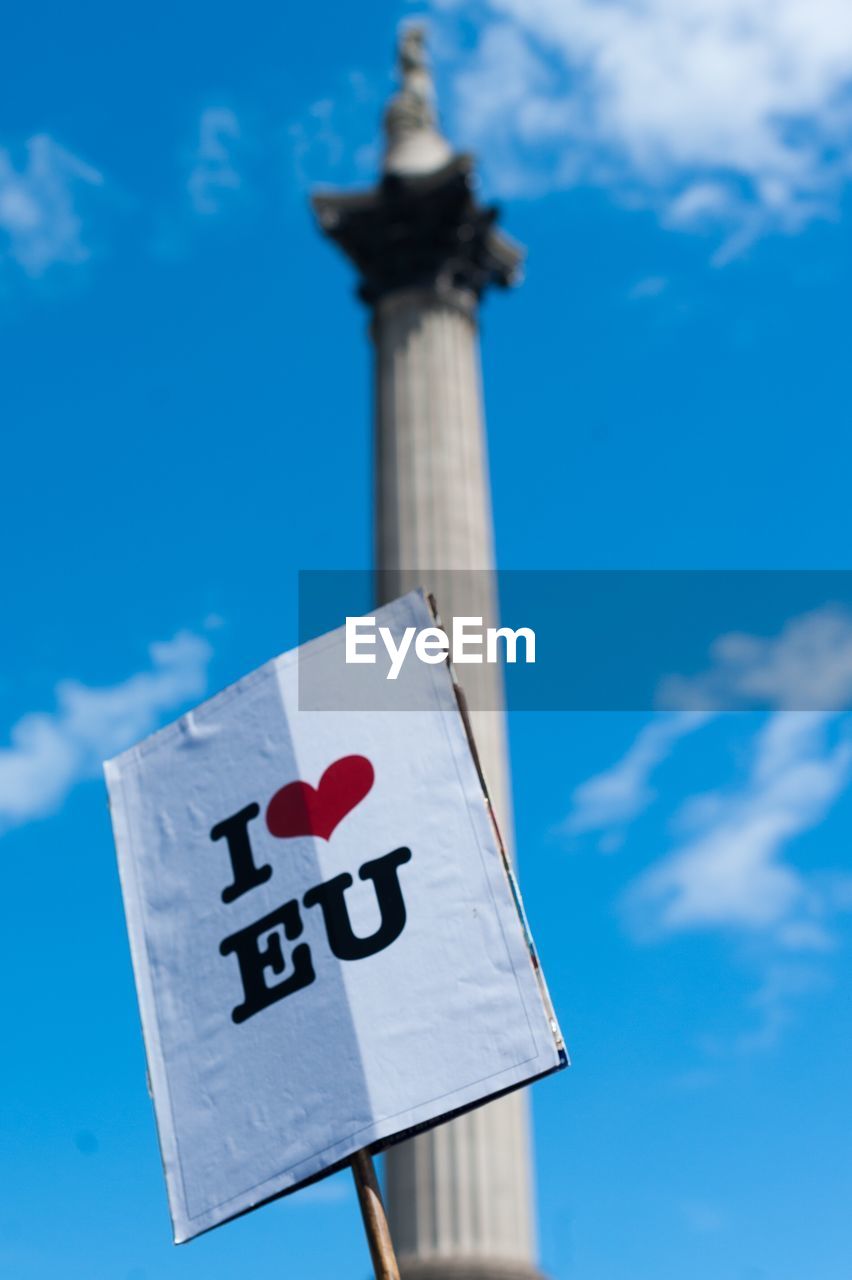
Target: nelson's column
[[459, 1198]]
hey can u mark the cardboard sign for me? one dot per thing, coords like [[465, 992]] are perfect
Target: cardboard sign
[[327, 944]]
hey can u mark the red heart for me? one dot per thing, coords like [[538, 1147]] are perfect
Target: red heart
[[302, 810]]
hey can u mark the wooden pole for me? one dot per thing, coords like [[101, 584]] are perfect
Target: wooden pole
[[373, 1212]]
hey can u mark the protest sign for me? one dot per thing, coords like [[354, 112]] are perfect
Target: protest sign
[[327, 943]]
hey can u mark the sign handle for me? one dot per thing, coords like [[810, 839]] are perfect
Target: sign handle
[[373, 1213]]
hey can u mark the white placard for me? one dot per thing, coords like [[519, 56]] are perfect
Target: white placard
[[326, 942]]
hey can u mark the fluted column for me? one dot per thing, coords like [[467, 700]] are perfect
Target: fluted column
[[433, 502], [459, 1197], [426, 250], [433, 505]]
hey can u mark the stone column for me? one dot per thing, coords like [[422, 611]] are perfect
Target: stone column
[[433, 499], [460, 1196]]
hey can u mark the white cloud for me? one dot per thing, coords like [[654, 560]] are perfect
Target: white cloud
[[614, 798], [729, 866], [39, 214], [783, 984], [807, 666], [719, 113], [729, 871], [213, 175], [321, 140], [50, 753], [648, 287]]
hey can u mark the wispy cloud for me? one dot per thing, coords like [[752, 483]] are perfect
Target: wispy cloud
[[723, 115], [214, 176], [730, 865], [40, 218], [648, 287], [611, 800], [51, 752], [807, 666], [336, 137], [784, 983], [730, 870]]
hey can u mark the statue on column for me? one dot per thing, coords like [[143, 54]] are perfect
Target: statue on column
[[413, 141]]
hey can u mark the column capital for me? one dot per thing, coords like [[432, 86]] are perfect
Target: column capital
[[423, 230]]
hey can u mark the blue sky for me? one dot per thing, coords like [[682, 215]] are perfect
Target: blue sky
[[186, 401]]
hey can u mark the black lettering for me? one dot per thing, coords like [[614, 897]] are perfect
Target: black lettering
[[235, 831], [254, 960], [330, 897]]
